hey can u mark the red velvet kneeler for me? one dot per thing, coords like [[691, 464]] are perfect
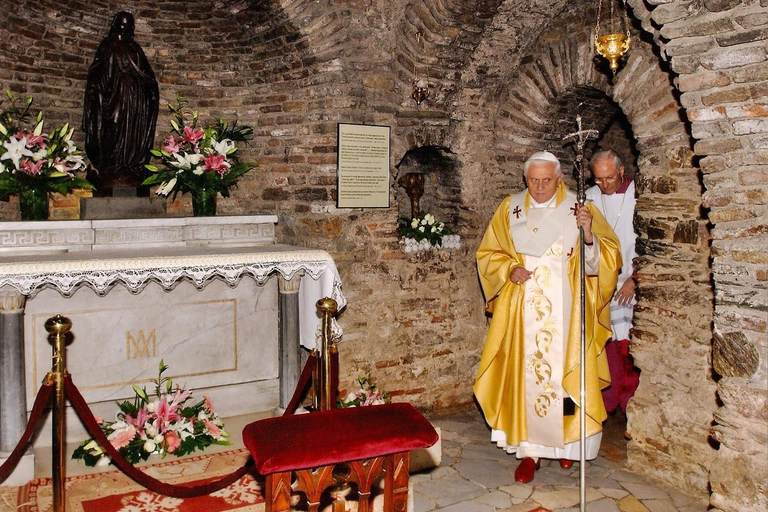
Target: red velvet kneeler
[[372, 440]]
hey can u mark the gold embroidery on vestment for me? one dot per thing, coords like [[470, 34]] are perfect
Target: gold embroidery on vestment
[[544, 337], [543, 401], [542, 276], [542, 370]]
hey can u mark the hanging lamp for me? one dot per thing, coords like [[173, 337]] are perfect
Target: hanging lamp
[[614, 44]]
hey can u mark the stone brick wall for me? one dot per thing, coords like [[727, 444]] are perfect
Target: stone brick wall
[[506, 76], [717, 52]]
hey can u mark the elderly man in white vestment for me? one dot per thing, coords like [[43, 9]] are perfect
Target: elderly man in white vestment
[[528, 262], [614, 195]]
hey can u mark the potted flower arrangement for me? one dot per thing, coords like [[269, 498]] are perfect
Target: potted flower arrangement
[[168, 421], [424, 232], [34, 163], [201, 161]]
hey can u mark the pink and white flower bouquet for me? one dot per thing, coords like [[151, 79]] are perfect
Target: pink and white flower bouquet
[[195, 159], [168, 421], [368, 394], [33, 159]]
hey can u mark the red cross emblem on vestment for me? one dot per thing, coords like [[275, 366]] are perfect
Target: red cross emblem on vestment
[[573, 210], [517, 212], [570, 253]]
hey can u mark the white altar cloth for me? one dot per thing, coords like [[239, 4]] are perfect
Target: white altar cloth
[[101, 269]]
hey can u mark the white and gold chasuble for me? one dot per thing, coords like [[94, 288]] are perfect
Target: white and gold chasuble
[[543, 239]]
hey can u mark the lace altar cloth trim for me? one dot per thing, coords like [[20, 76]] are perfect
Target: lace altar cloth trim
[[102, 270]]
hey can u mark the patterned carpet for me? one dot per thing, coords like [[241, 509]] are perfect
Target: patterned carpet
[[115, 492]]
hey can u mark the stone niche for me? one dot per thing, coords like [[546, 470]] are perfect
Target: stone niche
[[442, 189]]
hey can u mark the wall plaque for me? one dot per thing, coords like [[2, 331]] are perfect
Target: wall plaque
[[362, 166]]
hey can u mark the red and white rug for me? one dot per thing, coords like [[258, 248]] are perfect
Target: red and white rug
[[115, 492]]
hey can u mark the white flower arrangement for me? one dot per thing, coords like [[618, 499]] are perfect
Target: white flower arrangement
[[448, 242], [423, 232]]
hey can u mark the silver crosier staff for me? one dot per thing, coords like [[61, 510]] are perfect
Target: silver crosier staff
[[581, 137]]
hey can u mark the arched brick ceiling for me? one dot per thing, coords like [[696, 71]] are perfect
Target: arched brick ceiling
[[468, 43]]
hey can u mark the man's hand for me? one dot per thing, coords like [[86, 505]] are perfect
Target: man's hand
[[519, 275], [584, 220], [626, 293]]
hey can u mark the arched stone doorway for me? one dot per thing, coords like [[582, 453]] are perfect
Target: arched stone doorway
[[672, 410]]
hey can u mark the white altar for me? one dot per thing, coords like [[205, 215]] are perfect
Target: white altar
[[215, 297]]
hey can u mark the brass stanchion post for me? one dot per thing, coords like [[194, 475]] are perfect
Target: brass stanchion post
[[327, 308], [58, 336]]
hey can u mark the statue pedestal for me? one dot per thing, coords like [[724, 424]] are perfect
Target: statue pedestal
[[100, 208]]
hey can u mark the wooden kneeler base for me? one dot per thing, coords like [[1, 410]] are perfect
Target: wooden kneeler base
[[364, 473], [371, 441]]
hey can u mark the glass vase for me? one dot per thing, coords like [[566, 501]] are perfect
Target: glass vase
[[204, 202], [33, 204]]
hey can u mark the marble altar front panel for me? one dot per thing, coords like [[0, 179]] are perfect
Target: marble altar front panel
[[220, 341]]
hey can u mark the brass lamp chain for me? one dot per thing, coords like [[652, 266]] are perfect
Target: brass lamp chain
[[626, 18], [597, 23], [613, 16]]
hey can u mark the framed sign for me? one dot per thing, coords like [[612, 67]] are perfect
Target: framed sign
[[362, 166]]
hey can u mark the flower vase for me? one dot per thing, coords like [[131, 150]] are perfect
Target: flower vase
[[33, 204], [204, 202]]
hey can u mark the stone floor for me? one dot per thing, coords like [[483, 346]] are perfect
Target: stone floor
[[476, 476]]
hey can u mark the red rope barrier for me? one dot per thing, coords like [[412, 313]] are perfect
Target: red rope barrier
[[153, 484], [334, 376], [306, 374], [42, 401]]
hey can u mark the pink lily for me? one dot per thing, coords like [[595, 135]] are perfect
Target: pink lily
[[180, 396], [36, 140], [139, 421], [32, 169], [192, 136], [171, 146], [165, 414], [216, 163], [61, 166]]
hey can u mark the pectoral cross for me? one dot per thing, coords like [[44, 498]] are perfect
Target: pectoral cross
[[574, 208], [517, 211]]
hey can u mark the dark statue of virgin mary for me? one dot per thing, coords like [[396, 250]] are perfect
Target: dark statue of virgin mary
[[120, 112]]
